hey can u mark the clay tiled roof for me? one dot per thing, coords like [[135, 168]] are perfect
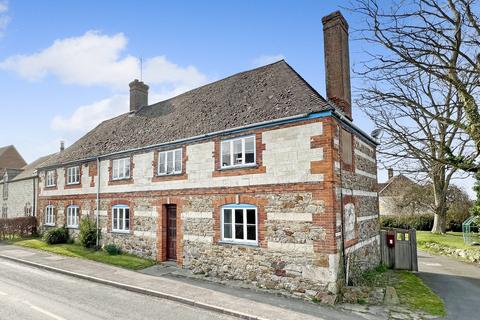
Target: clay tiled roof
[[267, 93]]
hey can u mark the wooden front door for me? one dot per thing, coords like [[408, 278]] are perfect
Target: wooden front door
[[171, 232]]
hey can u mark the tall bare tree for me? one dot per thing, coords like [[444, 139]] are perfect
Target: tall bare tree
[[422, 87]]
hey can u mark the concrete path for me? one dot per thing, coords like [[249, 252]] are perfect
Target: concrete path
[[249, 307], [457, 283], [29, 293]]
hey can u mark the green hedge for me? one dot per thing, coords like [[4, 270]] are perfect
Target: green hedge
[[56, 235], [423, 222]]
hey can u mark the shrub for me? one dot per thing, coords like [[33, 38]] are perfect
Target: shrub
[[56, 235], [423, 222], [88, 233], [21, 226], [112, 249]]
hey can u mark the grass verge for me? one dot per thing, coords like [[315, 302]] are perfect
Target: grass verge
[[411, 290], [126, 261], [452, 240]]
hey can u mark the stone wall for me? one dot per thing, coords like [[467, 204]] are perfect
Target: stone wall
[[20, 194]]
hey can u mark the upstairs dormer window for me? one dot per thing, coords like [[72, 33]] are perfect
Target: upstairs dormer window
[[73, 175], [170, 162], [50, 180], [121, 169], [238, 152]]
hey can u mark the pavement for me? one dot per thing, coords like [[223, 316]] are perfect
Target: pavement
[[165, 288], [456, 282]]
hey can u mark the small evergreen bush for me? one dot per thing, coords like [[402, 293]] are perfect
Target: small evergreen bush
[[422, 222], [56, 235], [88, 233], [112, 249]]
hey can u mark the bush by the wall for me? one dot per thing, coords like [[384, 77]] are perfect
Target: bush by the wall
[[56, 235], [88, 233], [112, 249], [423, 222], [17, 227]]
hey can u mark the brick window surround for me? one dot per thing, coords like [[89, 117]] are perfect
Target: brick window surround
[[169, 177], [129, 180], [242, 199], [237, 171], [76, 185], [55, 179], [76, 204], [130, 205]]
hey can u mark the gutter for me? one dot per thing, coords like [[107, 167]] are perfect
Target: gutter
[[269, 123], [331, 111]]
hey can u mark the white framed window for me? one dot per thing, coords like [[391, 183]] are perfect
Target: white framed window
[[170, 162], [238, 152], [73, 175], [28, 209], [4, 212], [50, 181], [50, 215], [72, 217], [240, 224], [121, 169], [121, 218]]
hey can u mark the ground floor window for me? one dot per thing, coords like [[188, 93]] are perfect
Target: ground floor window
[[121, 219], [4, 212], [49, 216], [240, 224], [72, 217]]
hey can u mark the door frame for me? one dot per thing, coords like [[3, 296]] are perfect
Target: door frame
[[162, 226]]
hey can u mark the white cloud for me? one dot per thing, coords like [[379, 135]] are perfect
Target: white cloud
[[86, 117], [4, 18], [98, 59], [267, 59]]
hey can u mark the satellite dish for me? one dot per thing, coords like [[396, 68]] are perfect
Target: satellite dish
[[377, 133]]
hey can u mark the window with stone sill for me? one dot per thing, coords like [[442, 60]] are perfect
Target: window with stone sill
[[121, 169], [121, 219], [240, 224], [50, 181], [72, 217], [49, 215], [73, 175], [238, 152]]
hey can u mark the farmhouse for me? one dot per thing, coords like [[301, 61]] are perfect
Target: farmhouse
[[255, 178]]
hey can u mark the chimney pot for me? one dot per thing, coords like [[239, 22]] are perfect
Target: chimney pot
[[138, 95], [62, 145], [337, 61], [390, 173]]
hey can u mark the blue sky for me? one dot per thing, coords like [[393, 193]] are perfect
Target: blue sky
[[65, 65]]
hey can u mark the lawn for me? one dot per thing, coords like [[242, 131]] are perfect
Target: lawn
[[451, 240], [411, 290], [74, 250]]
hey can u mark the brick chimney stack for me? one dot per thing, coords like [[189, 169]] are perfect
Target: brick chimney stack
[[138, 95], [337, 61], [62, 145]]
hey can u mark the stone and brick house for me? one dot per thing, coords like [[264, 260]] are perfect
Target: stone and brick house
[[11, 164], [393, 193], [20, 190], [255, 178]]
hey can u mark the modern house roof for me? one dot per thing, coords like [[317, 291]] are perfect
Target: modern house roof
[[271, 92], [10, 158]]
